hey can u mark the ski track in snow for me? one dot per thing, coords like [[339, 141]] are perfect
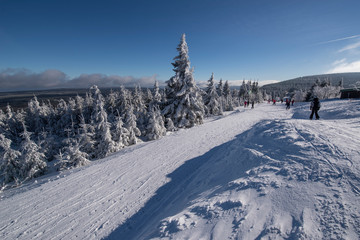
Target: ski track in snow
[[263, 173]]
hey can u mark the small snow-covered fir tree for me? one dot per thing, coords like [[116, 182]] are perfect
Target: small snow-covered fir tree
[[32, 160], [156, 94], [212, 100], [139, 109], [110, 104], [148, 97], [120, 134], [124, 101], [72, 157], [184, 104], [228, 101], [104, 144], [156, 127], [9, 162], [85, 138], [130, 125]]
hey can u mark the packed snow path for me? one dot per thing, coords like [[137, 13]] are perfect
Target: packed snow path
[[255, 173]]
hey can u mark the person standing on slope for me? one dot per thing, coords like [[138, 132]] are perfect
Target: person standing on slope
[[287, 104], [315, 107]]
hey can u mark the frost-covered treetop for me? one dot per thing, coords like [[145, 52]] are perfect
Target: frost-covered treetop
[[182, 62]]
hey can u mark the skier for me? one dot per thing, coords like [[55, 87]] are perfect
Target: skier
[[287, 104], [252, 104], [292, 102], [245, 104], [315, 107]]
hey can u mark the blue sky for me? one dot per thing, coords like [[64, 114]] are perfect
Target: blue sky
[[136, 40]]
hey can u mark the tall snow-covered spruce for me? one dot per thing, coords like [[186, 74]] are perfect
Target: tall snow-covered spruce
[[184, 105]]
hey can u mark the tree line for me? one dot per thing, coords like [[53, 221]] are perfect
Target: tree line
[[44, 138]]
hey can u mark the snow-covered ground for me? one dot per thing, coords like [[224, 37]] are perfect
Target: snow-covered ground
[[263, 173]]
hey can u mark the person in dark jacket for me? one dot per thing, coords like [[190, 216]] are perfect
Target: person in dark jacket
[[287, 104], [315, 107]]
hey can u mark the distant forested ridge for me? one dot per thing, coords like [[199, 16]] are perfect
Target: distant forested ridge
[[280, 89]]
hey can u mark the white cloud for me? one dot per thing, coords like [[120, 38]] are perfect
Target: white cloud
[[350, 47], [262, 83], [341, 66], [339, 39]]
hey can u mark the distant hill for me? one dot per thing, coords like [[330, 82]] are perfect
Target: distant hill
[[306, 82]]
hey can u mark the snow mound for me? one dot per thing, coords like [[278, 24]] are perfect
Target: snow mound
[[277, 180]]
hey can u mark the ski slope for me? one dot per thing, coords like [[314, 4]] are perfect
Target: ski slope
[[263, 173]]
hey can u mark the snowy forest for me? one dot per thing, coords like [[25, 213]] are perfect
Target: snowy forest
[[44, 138], [305, 89]]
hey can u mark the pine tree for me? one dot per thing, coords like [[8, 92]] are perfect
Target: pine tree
[[85, 138], [229, 106], [213, 106], [72, 157], [9, 163], [170, 125], [184, 104], [104, 144], [156, 127], [156, 94], [120, 134], [124, 101], [139, 109], [130, 125], [32, 160]]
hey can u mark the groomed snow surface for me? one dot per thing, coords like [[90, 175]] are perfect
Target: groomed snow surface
[[263, 173]]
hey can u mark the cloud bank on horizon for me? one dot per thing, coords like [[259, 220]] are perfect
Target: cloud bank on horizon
[[23, 79]]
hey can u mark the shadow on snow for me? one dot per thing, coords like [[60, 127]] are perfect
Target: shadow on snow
[[268, 146]]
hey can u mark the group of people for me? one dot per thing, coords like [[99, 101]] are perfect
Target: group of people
[[247, 103], [314, 106], [287, 102]]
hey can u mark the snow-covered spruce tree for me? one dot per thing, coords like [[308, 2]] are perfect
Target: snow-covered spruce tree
[[299, 95], [310, 94], [9, 163], [148, 97], [62, 119], [32, 160], [156, 127], [156, 93], [242, 92], [72, 157], [184, 104], [220, 92], [130, 125], [13, 124], [235, 97], [33, 118], [85, 137], [124, 101], [229, 105], [120, 134], [104, 145], [220, 88], [139, 109], [211, 100], [110, 105]]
